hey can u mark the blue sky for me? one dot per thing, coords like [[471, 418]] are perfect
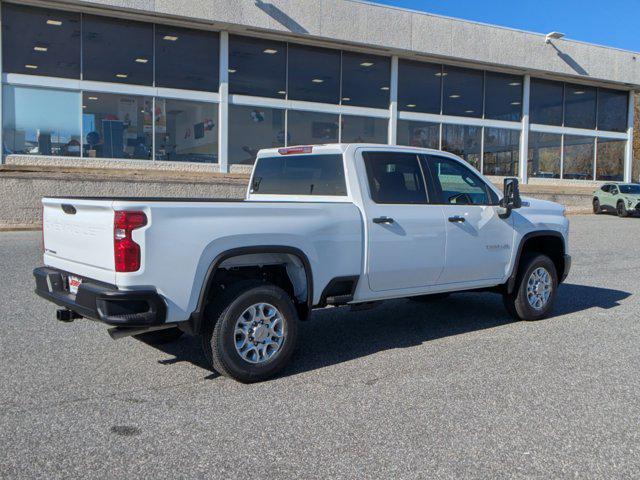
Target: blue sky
[[614, 23]]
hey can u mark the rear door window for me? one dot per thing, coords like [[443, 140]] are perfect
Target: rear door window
[[395, 177], [321, 175]]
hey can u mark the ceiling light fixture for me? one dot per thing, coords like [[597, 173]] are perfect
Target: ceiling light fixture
[[40, 49], [468, 111], [232, 70], [366, 64], [93, 98], [411, 105], [384, 88], [31, 67], [282, 92], [55, 23], [579, 92], [170, 38], [121, 75], [346, 99], [317, 80], [441, 74], [142, 60], [514, 84], [455, 95], [515, 104], [270, 51]]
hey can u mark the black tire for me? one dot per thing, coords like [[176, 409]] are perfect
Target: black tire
[[621, 210], [161, 336], [517, 303], [218, 337], [597, 209], [434, 297]]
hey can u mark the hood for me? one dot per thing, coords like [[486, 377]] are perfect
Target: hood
[[538, 204]]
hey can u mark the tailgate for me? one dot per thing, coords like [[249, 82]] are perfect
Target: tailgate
[[78, 237]]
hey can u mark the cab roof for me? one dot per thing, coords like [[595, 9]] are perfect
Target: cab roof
[[339, 148]]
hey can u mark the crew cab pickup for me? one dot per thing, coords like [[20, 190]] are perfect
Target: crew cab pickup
[[343, 224]]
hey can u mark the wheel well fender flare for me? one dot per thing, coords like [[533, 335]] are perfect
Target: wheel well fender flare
[[511, 282], [205, 289]]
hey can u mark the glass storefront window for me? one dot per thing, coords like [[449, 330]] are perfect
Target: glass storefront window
[[545, 105], [117, 126], [462, 91], [578, 157], [309, 128], [610, 160], [356, 129], [186, 131], [257, 67], [464, 141], [579, 106], [419, 86], [503, 97], [253, 128], [544, 155], [38, 121], [314, 74], [613, 108], [38, 41], [418, 134], [501, 151], [365, 80], [116, 50], [186, 58]]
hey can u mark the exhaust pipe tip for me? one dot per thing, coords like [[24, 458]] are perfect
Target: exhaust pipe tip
[[67, 316]]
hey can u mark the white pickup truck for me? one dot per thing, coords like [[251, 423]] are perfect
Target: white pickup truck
[[321, 225]]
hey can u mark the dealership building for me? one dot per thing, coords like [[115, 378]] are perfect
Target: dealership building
[[202, 85]]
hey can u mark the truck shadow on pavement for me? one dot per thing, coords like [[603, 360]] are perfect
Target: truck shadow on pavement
[[337, 335]]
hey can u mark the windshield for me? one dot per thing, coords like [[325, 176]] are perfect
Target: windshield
[[630, 189]]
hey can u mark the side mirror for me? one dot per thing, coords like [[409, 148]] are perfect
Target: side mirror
[[511, 198]]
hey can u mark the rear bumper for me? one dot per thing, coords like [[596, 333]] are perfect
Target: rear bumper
[[102, 302], [567, 267]]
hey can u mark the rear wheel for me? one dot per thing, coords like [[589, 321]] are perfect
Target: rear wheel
[[251, 332], [597, 209], [535, 289], [622, 210]]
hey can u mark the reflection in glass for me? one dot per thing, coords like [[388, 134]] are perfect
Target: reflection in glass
[[117, 126], [419, 86], [314, 74], [186, 131], [579, 106], [418, 134], [365, 80], [357, 129], [253, 128], [613, 106], [198, 50], [462, 92], [464, 141], [578, 157], [116, 50], [546, 102], [501, 151], [610, 160], [38, 41], [544, 155], [503, 97], [38, 121], [257, 67], [309, 128]]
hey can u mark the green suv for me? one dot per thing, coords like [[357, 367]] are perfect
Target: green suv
[[621, 198]]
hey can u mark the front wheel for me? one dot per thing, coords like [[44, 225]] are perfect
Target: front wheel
[[251, 332], [535, 290], [597, 209], [622, 210]]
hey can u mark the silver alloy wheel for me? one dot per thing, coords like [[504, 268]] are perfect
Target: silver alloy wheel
[[260, 333], [539, 288]]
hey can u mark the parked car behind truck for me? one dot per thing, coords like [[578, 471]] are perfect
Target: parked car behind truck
[[323, 225], [620, 198]]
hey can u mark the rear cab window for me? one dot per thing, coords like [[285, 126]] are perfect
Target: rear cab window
[[300, 175]]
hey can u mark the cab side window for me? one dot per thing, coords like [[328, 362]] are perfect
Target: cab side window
[[455, 184], [606, 188], [395, 177]]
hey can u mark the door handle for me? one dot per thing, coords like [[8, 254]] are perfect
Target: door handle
[[383, 220], [456, 219]]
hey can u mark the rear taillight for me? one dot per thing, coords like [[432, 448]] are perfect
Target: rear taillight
[[126, 251]]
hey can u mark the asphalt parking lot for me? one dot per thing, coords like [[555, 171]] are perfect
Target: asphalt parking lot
[[450, 390]]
